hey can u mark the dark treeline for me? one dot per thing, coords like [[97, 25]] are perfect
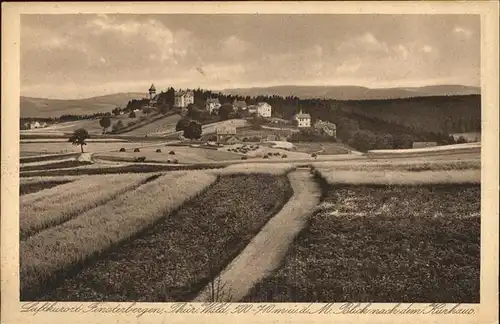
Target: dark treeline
[[365, 124]]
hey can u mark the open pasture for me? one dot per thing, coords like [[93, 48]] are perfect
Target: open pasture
[[66, 147], [157, 127], [44, 256], [384, 244], [183, 154]]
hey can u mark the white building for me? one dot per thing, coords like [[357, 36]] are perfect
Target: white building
[[264, 109], [183, 98], [303, 120], [213, 104]]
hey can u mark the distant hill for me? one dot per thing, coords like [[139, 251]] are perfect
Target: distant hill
[[44, 108], [354, 92]]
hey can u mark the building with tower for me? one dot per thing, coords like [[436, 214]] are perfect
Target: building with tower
[[152, 92]]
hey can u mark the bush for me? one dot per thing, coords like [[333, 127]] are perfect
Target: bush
[[277, 153], [140, 159], [122, 149], [270, 153], [243, 157], [168, 161], [158, 151], [266, 157], [314, 155], [284, 156], [175, 161], [171, 153], [137, 150]]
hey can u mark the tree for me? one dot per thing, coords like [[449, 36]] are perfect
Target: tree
[[461, 140], [132, 114], [363, 140], [257, 122], [225, 110], [147, 110], [79, 136], [193, 130], [119, 125], [163, 108], [116, 111], [105, 122], [182, 124]]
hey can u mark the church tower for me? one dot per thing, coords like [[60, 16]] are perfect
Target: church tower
[[152, 92]]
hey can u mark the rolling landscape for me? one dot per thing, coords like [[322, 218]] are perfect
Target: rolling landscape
[[177, 192], [161, 191]]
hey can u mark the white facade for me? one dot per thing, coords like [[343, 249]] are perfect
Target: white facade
[[264, 109], [213, 104], [303, 120], [183, 98]]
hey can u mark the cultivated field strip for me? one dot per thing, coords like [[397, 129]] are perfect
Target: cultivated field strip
[[45, 163], [86, 182], [437, 165], [29, 180], [63, 247], [28, 188], [176, 257], [267, 249], [386, 177], [249, 168], [398, 244], [67, 201]]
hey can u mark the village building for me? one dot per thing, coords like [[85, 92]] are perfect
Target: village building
[[326, 127], [225, 132], [183, 98], [152, 95], [303, 119], [239, 105], [34, 124], [212, 104], [264, 109]]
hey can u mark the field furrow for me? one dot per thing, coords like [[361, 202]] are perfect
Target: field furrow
[[179, 255], [48, 254]]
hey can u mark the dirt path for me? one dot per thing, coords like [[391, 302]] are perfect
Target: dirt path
[[268, 248]]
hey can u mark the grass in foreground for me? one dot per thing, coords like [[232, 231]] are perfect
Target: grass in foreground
[[28, 188], [389, 177], [63, 203], [51, 254], [135, 168], [385, 244], [180, 254]]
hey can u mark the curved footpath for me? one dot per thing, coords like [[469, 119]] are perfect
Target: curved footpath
[[267, 249]]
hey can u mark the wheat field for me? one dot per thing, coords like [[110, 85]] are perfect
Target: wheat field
[[61, 247]]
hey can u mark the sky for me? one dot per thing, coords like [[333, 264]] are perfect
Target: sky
[[79, 56]]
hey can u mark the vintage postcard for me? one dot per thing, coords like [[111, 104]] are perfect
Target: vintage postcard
[[270, 162]]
